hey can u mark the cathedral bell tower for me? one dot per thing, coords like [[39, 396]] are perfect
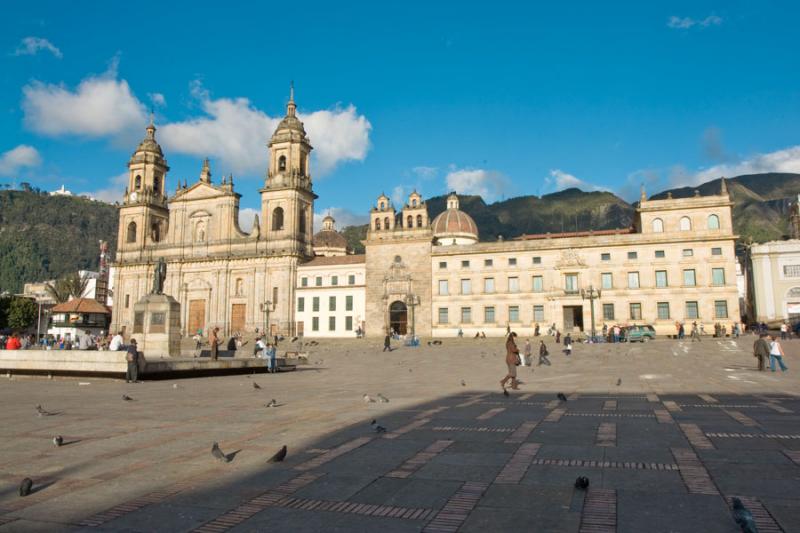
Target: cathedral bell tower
[[143, 215], [287, 199]]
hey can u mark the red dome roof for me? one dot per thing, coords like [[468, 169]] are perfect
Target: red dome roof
[[454, 223]]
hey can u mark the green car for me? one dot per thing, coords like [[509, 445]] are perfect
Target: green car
[[640, 333]]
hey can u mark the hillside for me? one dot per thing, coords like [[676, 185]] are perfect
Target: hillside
[[43, 237]]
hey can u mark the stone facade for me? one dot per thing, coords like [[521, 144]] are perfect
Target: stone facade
[[776, 280]]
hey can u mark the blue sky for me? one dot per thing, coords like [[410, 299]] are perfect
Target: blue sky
[[501, 99]]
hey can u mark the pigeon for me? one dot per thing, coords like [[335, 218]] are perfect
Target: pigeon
[[382, 398], [294, 339], [58, 440], [127, 398], [42, 412], [272, 403], [278, 457], [743, 516], [367, 399], [377, 427], [218, 455], [561, 397], [256, 385], [463, 383], [582, 482], [619, 382], [26, 486], [505, 393]]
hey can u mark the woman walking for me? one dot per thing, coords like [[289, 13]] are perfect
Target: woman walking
[[512, 360], [776, 353], [543, 354]]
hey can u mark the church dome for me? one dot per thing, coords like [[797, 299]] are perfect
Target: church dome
[[149, 143], [328, 241], [454, 226]]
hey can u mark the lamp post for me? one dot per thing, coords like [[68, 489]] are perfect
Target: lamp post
[[591, 294], [412, 300], [265, 308]]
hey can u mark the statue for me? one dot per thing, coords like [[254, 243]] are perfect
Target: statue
[[159, 275]]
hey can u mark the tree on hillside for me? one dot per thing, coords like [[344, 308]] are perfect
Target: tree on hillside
[[22, 312], [70, 286]]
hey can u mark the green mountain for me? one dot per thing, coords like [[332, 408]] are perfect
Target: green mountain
[[44, 237]]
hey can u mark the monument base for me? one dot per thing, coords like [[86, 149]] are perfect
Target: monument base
[[157, 326]]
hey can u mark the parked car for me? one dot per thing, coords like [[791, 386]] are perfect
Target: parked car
[[640, 333]]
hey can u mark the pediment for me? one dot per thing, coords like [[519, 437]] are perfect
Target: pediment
[[198, 191]]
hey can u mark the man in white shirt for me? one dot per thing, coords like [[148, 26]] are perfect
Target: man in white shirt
[[116, 343]]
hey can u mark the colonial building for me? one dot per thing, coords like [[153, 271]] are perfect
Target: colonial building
[[330, 296]]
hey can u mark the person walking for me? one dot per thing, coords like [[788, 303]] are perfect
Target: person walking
[[132, 357], [526, 350], [512, 360], [536, 330], [558, 337], [568, 344], [776, 353], [784, 330], [543, 354], [761, 351], [681, 332], [214, 341], [270, 354], [387, 342], [695, 332]]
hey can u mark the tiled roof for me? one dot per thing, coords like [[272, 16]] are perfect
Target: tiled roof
[[81, 305], [454, 221], [336, 260]]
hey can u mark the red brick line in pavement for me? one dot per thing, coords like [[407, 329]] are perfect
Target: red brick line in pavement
[[584, 463], [671, 406], [490, 413], [573, 396], [246, 510], [708, 398], [405, 429], [552, 404], [606, 434], [752, 435], [663, 416], [419, 460], [696, 437], [763, 519], [693, 472], [599, 513], [779, 408], [334, 453], [471, 428], [610, 405], [338, 506], [457, 509], [742, 418], [653, 398], [472, 401], [430, 412], [522, 432], [516, 467], [555, 415], [794, 455]]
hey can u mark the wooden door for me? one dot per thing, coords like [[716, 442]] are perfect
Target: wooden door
[[238, 317], [197, 316], [300, 328]]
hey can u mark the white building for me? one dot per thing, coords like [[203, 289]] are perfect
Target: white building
[[776, 280], [331, 295], [61, 192]]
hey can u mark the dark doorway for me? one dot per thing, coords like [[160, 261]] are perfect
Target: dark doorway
[[573, 317], [398, 317]]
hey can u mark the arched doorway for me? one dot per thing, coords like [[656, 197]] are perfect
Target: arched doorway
[[398, 317]]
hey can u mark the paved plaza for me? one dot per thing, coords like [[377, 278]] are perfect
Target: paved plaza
[[690, 426]]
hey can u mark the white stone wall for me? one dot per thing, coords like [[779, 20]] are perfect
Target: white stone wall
[[324, 293]]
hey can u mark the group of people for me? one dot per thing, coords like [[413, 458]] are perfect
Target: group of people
[[768, 347], [515, 359]]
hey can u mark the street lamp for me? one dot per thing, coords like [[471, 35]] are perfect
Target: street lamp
[[412, 300], [591, 294]]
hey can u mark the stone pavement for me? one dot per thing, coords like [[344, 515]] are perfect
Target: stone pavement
[[690, 425]]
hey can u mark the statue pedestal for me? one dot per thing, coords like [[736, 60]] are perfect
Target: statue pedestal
[[157, 326]]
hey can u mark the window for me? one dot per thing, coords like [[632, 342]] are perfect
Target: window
[[791, 271], [443, 287], [720, 309], [315, 304], [661, 279], [713, 223], [301, 220], [304, 282], [127, 300], [348, 302], [348, 323], [689, 277], [464, 264], [663, 310], [716, 251], [571, 283], [410, 222], [632, 255], [605, 257], [466, 315], [717, 276], [466, 286], [282, 163], [606, 280], [488, 285], [488, 262], [419, 221], [274, 297], [131, 232], [608, 311], [351, 279], [688, 252], [512, 261], [633, 280], [377, 224], [318, 281], [443, 315], [137, 183], [277, 219], [488, 315], [301, 304], [658, 225], [331, 323], [685, 224], [636, 311], [334, 280], [513, 284], [315, 323], [538, 313], [538, 284], [660, 254], [442, 264], [332, 303], [386, 223], [537, 260], [513, 313], [691, 310]]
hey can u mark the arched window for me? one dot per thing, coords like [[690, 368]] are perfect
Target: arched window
[[301, 220], [302, 166], [282, 162], [277, 218], [413, 202], [658, 226], [200, 232], [382, 206], [155, 232], [686, 224], [419, 221], [137, 183], [157, 184], [410, 222], [386, 222], [377, 223], [131, 232], [713, 222]]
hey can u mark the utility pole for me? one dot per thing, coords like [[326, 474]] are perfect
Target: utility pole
[[591, 294]]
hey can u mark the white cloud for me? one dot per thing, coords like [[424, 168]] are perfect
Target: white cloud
[[30, 46], [398, 196], [114, 190], [425, 172], [246, 218], [157, 99], [100, 106], [20, 157], [560, 180], [236, 133], [343, 217], [488, 184], [684, 23], [786, 160]]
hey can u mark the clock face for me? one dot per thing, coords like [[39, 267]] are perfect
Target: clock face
[[133, 196]]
